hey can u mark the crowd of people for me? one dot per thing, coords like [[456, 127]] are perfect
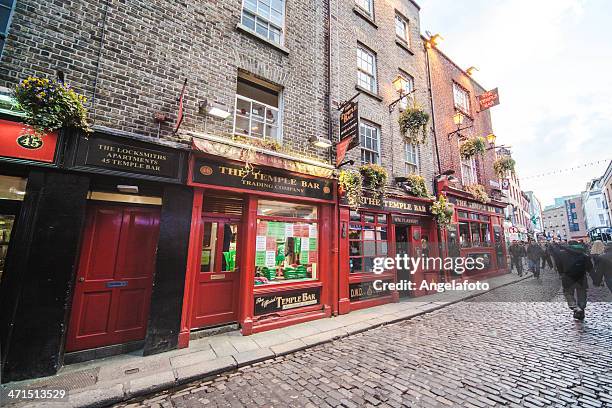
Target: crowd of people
[[573, 260]]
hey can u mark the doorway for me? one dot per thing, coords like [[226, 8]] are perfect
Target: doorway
[[217, 279], [114, 278]]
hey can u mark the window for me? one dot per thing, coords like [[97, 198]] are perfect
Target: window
[[408, 87], [462, 98], [468, 171], [366, 69], [367, 6], [265, 17], [369, 136], [474, 230], [286, 245], [367, 240], [412, 165], [6, 11], [602, 221], [401, 28], [257, 111]]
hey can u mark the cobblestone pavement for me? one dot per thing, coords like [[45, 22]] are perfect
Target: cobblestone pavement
[[481, 353]]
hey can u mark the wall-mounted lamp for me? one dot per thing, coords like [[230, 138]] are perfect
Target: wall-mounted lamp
[[470, 70], [320, 142], [214, 109], [433, 41], [458, 119], [399, 83]]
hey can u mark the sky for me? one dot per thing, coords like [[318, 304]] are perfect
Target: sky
[[552, 62]]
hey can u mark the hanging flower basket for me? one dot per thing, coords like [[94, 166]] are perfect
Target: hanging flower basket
[[50, 105], [374, 178], [416, 186], [413, 124], [503, 165], [350, 183], [443, 211], [478, 192], [472, 147]]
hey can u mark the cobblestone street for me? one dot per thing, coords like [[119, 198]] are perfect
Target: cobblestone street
[[480, 353]]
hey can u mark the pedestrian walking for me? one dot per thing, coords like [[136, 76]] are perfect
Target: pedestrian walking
[[597, 250], [517, 252], [547, 256], [605, 266], [574, 263], [534, 254]]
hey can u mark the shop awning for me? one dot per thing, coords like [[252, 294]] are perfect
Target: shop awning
[[231, 150]]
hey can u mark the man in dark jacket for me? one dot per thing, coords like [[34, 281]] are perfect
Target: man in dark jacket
[[547, 256], [534, 253], [573, 265], [605, 266], [517, 252]]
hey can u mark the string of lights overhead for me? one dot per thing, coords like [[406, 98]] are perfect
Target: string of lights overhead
[[564, 170]]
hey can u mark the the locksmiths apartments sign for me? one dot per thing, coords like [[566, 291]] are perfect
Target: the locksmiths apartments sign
[[113, 154], [227, 174]]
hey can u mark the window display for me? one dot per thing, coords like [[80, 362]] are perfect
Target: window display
[[367, 240], [286, 246], [474, 230]]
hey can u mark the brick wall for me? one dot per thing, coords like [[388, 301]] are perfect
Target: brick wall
[[350, 28], [443, 73], [150, 47]]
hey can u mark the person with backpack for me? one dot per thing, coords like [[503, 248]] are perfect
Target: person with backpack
[[574, 263]]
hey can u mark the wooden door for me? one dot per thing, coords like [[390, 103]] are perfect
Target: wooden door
[[217, 283], [114, 279]]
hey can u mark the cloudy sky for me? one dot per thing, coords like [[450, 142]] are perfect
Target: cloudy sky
[[552, 62]]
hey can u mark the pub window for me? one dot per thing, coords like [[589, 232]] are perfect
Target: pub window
[[6, 12], [468, 171], [461, 98], [401, 28], [287, 243], [367, 6], [369, 136], [412, 159], [367, 240], [265, 17], [474, 230], [366, 69], [257, 110]]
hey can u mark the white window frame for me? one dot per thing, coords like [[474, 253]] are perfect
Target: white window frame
[[363, 126], [366, 68], [409, 87], [469, 170], [279, 133], [264, 19], [411, 158], [461, 98], [367, 6], [405, 34]]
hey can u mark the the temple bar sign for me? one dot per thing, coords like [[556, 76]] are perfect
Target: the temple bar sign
[[488, 99], [212, 172]]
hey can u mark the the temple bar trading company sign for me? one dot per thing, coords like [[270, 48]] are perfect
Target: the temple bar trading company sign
[[277, 302], [211, 172], [129, 156]]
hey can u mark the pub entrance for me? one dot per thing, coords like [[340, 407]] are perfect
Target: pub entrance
[[217, 285], [407, 242]]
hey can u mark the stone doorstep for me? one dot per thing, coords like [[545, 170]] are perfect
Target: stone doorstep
[[109, 392]]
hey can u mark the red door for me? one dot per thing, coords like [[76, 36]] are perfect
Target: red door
[[217, 283], [114, 278]]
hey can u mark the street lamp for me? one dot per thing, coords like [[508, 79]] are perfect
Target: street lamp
[[320, 142], [491, 139], [399, 83], [458, 118]]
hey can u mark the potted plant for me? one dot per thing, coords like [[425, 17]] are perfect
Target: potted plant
[[502, 165], [478, 192], [349, 185], [443, 211], [374, 177], [50, 105], [472, 147], [413, 124], [416, 186]]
